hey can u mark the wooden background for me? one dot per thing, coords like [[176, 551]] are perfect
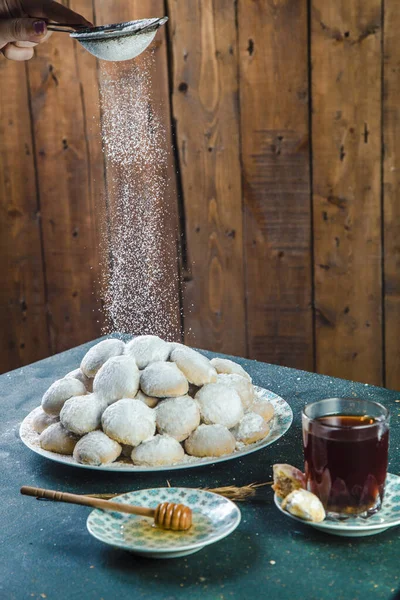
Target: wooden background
[[285, 119]]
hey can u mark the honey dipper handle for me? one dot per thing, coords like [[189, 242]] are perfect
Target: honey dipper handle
[[86, 501]]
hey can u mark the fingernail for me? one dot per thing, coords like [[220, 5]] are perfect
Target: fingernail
[[39, 27]]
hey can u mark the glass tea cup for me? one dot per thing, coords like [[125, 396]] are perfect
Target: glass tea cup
[[346, 442]]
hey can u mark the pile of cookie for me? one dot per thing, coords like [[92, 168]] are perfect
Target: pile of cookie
[[153, 402]]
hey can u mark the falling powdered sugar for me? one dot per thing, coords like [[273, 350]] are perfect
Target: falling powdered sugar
[[140, 279]]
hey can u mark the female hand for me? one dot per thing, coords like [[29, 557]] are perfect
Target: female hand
[[22, 27]]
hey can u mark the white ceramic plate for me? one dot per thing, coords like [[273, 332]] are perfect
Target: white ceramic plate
[[214, 517], [388, 516], [282, 420]]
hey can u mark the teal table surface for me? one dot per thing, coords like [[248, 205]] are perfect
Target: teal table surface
[[46, 551]]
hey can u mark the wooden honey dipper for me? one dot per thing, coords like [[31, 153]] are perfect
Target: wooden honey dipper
[[167, 515]]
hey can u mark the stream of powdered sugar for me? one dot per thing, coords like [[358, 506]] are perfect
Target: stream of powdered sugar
[[140, 283]]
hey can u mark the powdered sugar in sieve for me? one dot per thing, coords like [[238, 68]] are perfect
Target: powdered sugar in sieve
[[120, 41]]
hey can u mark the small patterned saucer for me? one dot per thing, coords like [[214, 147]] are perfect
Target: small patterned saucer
[[214, 517], [388, 516]]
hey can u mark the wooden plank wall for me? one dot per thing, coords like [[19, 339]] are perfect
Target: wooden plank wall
[[206, 110], [68, 206], [23, 322], [285, 120], [276, 181], [391, 196], [347, 147]]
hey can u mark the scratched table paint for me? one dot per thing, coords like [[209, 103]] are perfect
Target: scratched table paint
[[46, 551]]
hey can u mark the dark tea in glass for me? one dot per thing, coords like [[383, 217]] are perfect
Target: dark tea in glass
[[346, 443]]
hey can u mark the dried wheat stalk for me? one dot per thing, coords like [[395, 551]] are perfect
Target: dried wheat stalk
[[233, 492], [238, 494]]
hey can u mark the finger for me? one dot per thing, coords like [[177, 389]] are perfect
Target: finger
[[45, 37], [12, 52], [57, 12], [32, 44], [24, 44], [21, 30]]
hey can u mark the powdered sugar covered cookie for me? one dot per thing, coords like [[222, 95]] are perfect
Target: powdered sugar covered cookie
[[224, 365], [42, 420], [158, 451], [163, 380], [61, 390], [242, 385], [129, 421], [82, 414], [96, 448], [151, 402], [287, 479], [210, 440], [56, 438], [219, 404], [99, 354], [147, 349], [80, 376], [264, 408], [118, 378], [177, 417], [196, 367], [251, 428], [304, 505]]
